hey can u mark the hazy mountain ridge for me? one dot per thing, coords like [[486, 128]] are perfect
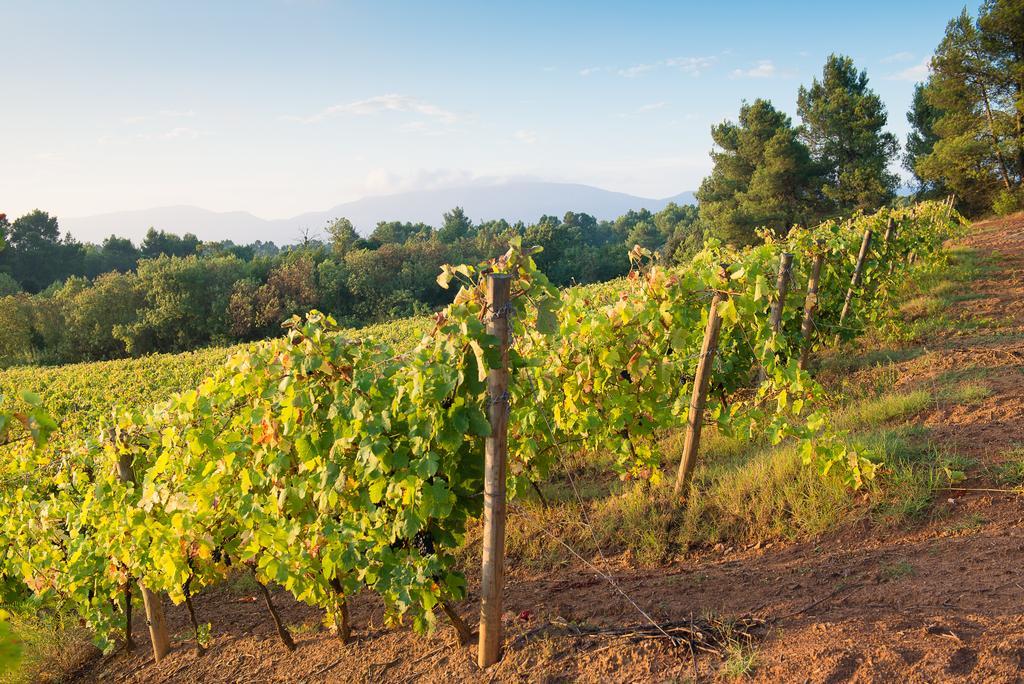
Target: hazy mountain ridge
[[517, 201]]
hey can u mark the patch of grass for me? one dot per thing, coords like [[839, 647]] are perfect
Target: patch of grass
[[969, 393], [1011, 471], [914, 469], [740, 661], [919, 307], [878, 410], [969, 523], [895, 571], [772, 495], [848, 363], [49, 646]]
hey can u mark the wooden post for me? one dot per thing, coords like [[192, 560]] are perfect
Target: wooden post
[[781, 289], [158, 634], [810, 304], [492, 576], [695, 419], [890, 233], [865, 245]]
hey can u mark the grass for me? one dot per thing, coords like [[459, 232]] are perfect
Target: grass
[[740, 661], [48, 646], [895, 571]]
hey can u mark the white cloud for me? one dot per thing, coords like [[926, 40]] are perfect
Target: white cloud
[[688, 65], [525, 136], [589, 70], [918, 72], [644, 109], [162, 114], [635, 70], [764, 68], [650, 107], [385, 182], [181, 133], [691, 65], [897, 57], [382, 103]]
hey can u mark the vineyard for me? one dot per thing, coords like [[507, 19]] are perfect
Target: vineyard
[[332, 462]]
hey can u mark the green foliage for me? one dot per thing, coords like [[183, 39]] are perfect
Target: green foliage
[[975, 98], [843, 125], [763, 176], [922, 117]]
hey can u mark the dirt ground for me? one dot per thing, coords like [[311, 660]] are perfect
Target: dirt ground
[[940, 601]]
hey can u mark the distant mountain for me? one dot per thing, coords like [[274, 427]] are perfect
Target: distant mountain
[[514, 201]]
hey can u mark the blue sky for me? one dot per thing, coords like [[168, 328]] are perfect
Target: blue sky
[[279, 107]]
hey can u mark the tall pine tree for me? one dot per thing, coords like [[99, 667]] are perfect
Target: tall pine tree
[[762, 176], [977, 86], [843, 125]]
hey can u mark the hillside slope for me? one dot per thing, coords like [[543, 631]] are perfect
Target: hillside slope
[[919, 584]]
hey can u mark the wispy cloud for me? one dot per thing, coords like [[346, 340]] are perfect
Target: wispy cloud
[[917, 72], [644, 109], [691, 65], [526, 136], [897, 57], [162, 114], [378, 104], [635, 70], [688, 65], [764, 68], [181, 133]]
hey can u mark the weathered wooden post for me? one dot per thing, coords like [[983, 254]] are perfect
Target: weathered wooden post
[[781, 290], [865, 245], [695, 419], [492, 576], [890, 234], [810, 304], [158, 634]]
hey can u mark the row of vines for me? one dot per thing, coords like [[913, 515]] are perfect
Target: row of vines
[[329, 465]]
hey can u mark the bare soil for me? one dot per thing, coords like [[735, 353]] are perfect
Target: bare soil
[[938, 601]]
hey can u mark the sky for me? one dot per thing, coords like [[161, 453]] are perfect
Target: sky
[[279, 107]]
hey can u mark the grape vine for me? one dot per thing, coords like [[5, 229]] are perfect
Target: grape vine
[[330, 465]]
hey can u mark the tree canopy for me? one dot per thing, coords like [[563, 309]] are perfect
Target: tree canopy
[[843, 126], [762, 176]]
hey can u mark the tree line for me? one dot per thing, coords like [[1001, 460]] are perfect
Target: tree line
[[65, 301]]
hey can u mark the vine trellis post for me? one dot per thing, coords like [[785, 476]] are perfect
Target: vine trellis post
[[858, 272], [701, 381], [492, 576], [158, 633], [781, 290], [810, 305]]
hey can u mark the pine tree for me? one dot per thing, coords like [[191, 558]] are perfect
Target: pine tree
[[762, 176], [921, 140], [977, 84], [843, 122]]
